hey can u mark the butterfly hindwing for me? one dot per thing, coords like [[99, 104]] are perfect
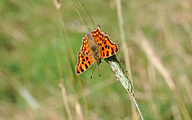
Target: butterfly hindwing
[[98, 36], [84, 62], [108, 48]]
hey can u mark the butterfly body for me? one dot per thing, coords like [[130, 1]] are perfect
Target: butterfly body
[[95, 50], [96, 46]]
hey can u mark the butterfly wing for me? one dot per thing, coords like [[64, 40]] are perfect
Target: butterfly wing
[[85, 48], [108, 48], [84, 62], [98, 36], [85, 59]]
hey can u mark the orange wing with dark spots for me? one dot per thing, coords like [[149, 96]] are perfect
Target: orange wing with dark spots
[[98, 36], [85, 48], [90, 52], [108, 48], [84, 62]]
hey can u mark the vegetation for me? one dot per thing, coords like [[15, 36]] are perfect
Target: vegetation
[[39, 42]]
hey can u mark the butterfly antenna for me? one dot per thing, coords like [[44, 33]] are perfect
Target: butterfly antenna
[[93, 71]]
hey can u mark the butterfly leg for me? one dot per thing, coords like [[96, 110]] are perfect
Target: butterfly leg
[[99, 72], [93, 71], [98, 63]]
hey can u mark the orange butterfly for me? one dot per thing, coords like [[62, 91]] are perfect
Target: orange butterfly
[[96, 46]]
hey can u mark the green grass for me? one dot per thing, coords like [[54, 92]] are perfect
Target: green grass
[[32, 42]]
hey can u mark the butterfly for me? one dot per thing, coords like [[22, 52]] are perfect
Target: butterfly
[[96, 46]]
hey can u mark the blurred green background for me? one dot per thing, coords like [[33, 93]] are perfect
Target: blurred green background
[[38, 51]]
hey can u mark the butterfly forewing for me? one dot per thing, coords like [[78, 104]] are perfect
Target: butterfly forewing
[[108, 48], [85, 48], [98, 36], [84, 62]]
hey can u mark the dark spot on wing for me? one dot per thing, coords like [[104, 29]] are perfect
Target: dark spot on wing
[[86, 66], [108, 52], [102, 48], [112, 51], [105, 46], [108, 47], [83, 59], [103, 54], [99, 44], [89, 62], [82, 62], [86, 58], [81, 69]]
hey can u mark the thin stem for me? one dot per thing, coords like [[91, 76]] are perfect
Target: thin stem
[[125, 49], [123, 79]]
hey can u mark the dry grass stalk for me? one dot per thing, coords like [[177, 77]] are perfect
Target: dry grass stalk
[[69, 54], [78, 111], [123, 78], [141, 40], [125, 49], [66, 103]]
